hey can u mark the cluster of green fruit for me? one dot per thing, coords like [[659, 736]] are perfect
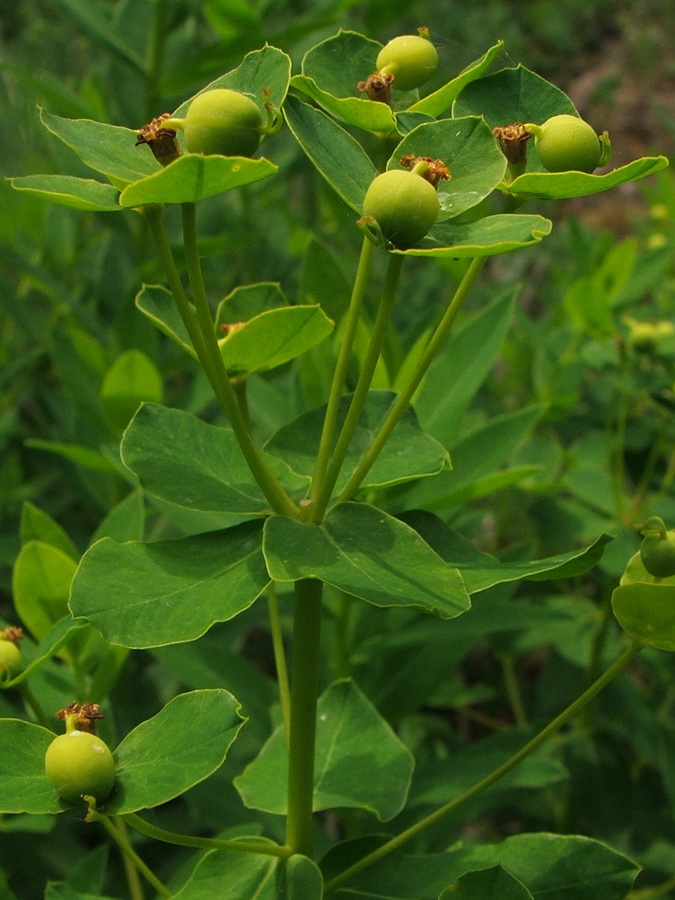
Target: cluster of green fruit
[[403, 202]]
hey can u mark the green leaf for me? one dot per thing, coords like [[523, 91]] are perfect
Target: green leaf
[[149, 595], [179, 747], [551, 866], [273, 338], [41, 583], [409, 453], [302, 878], [85, 457], [456, 374], [559, 867], [330, 73], [647, 612], [513, 95], [57, 637], [230, 875], [107, 149], [335, 153], [131, 380], [249, 300], [194, 177], [23, 784], [488, 236], [360, 762], [564, 185], [435, 104], [157, 303], [468, 148], [263, 73], [99, 28], [199, 467], [36, 525], [439, 781], [363, 551], [494, 883], [68, 190], [481, 570]]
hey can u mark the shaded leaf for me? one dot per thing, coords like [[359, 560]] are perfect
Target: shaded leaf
[[409, 453], [157, 303], [481, 570], [131, 380], [230, 875], [359, 761], [41, 583], [488, 884]]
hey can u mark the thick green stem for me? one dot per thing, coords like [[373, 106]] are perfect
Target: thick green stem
[[263, 848], [405, 396], [362, 386], [304, 694], [277, 497], [575, 707], [339, 376]]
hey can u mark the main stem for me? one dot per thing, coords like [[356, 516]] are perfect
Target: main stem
[[275, 494], [405, 396], [304, 694], [575, 707], [362, 386]]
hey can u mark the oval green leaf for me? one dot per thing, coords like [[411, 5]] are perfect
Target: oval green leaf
[[369, 554], [179, 747], [24, 787], [335, 153], [148, 595], [273, 338], [647, 612], [360, 762], [68, 190], [488, 236], [193, 177]]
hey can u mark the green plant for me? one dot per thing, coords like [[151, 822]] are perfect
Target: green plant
[[298, 493]]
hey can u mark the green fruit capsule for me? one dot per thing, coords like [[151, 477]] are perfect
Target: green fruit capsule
[[566, 143], [77, 764], [10, 658], [657, 551], [404, 204], [223, 122], [410, 58]]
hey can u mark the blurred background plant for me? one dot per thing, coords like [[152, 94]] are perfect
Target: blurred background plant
[[567, 431]]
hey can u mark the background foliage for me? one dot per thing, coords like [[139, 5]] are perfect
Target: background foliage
[[562, 429]]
